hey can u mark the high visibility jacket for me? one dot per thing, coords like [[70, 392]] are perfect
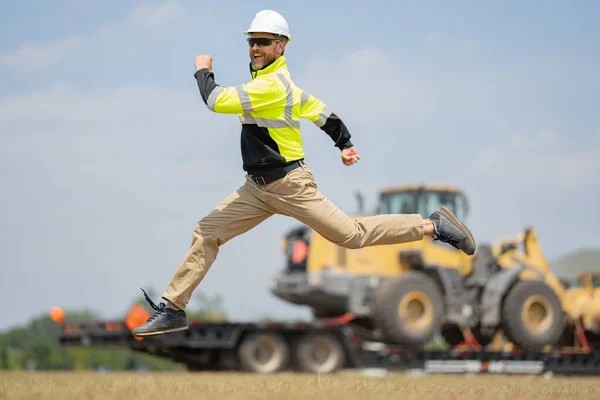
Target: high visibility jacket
[[270, 107]]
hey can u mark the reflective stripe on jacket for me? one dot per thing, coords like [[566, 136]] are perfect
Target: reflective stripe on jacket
[[270, 107]]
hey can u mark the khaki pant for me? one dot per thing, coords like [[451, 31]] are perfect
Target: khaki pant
[[296, 196]]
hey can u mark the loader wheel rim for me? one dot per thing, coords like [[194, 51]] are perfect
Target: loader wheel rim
[[537, 314], [416, 310]]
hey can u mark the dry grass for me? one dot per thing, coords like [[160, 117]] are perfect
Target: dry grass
[[213, 386]]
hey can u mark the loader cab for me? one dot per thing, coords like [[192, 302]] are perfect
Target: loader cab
[[423, 200], [589, 280]]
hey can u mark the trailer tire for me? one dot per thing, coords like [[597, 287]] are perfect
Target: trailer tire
[[277, 360], [529, 305], [412, 292], [310, 343]]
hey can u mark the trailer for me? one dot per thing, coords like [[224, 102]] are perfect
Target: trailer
[[320, 347]]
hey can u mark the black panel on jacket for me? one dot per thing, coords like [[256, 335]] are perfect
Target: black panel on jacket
[[259, 149], [337, 131]]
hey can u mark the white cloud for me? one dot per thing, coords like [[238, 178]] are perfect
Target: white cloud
[[462, 106], [157, 14], [543, 159], [375, 86], [352, 83], [62, 103], [129, 133], [31, 56]]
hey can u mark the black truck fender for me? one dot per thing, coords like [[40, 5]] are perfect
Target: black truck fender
[[493, 293]]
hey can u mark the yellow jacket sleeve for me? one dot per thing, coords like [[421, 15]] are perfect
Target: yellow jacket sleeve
[[257, 95], [315, 110]]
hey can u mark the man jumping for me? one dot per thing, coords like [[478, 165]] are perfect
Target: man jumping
[[278, 181]]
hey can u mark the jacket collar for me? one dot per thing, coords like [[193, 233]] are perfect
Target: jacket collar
[[274, 66]]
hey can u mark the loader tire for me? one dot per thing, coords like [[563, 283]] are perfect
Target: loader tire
[[409, 309], [264, 353], [532, 316]]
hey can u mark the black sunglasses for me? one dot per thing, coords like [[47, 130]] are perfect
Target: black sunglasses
[[261, 41]]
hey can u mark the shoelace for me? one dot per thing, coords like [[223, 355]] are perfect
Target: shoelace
[[160, 308]]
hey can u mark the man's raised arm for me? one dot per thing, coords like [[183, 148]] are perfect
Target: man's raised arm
[[256, 95]]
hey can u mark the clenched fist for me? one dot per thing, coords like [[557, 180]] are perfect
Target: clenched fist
[[203, 61], [350, 156]]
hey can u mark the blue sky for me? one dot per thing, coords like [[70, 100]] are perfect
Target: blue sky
[[108, 155]]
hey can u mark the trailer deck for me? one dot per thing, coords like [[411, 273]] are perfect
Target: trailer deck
[[319, 347]]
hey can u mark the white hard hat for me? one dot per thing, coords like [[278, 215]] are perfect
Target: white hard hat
[[269, 21]]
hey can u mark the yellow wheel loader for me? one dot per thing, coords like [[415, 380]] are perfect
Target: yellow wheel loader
[[409, 292], [539, 310]]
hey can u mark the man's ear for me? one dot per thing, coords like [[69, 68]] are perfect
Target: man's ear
[[283, 47]]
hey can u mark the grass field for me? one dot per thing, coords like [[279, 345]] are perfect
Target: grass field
[[177, 386]]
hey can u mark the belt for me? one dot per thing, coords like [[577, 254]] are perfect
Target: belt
[[265, 176]]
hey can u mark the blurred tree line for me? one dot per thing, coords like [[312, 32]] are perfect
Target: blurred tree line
[[35, 346]]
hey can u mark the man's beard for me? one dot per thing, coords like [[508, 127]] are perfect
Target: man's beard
[[262, 64]]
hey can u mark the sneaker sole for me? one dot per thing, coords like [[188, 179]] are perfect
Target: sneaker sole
[[154, 333], [445, 211]]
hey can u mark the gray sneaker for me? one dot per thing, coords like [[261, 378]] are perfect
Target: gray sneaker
[[448, 229], [164, 320]]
